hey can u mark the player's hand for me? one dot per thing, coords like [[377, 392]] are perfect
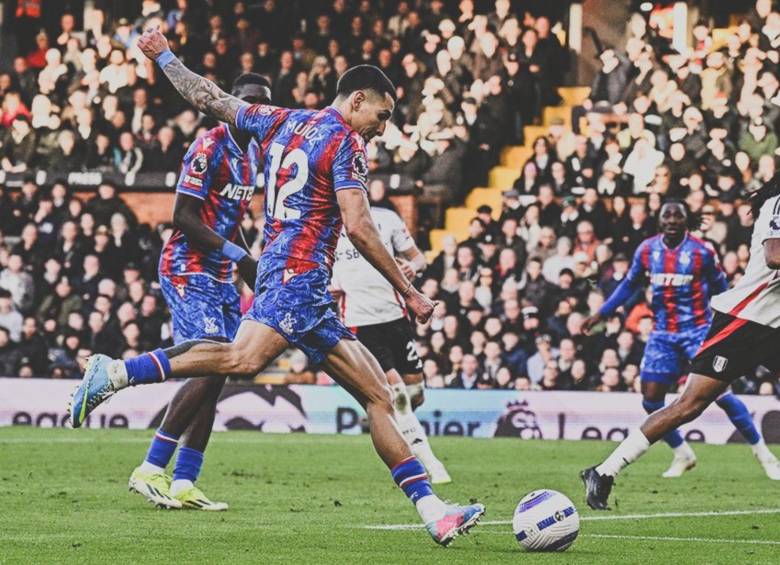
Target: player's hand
[[153, 43], [406, 268], [247, 268], [419, 304], [589, 322]]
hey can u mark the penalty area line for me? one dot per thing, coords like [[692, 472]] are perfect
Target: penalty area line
[[624, 517]]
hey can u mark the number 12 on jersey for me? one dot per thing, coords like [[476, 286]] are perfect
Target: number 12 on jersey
[[275, 196]]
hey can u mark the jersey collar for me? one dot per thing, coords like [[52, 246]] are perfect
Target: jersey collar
[[679, 245]]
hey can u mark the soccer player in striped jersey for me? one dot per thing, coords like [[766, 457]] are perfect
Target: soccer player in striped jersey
[[315, 180], [216, 183], [376, 313], [742, 334]]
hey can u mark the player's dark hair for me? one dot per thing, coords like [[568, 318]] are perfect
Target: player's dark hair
[[768, 190], [365, 77], [251, 78], [694, 220]]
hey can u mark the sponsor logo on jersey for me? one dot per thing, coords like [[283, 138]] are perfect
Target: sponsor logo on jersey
[[238, 191], [719, 363], [774, 223], [199, 164], [265, 110], [670, 279]]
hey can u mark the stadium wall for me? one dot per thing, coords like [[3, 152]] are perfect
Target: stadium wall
[[328, 410]]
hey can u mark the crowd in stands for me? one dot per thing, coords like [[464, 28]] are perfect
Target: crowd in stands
[[79, 276]]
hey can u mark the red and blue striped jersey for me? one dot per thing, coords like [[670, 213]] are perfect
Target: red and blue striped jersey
[[308, 156], [683, 279], [218, 172]]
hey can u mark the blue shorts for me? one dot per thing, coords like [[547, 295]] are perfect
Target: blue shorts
[[201, 307], [667, 355], [298, 306]]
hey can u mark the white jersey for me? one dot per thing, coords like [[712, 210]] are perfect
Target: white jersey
[[368, 297], [756, 297]]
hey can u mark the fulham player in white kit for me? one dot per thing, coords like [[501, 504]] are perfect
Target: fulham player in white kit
[[375, 312], [744, 333]]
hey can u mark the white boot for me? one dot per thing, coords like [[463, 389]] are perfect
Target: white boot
[[767, 459], [684, 460]]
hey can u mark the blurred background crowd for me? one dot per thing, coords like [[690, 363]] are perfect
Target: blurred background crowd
[[78, 275]]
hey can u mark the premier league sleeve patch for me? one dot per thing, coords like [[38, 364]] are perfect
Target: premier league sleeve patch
[[199, 164], [360, 167]]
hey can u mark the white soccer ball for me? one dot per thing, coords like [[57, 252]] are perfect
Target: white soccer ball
[[546, 520]]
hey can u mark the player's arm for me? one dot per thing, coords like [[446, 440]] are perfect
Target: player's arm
[[625, 290], [192, 188], [716, 278], [410, 258], [202, 93], [360, 228]]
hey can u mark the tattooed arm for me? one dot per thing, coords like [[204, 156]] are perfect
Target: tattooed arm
[[206, 96]]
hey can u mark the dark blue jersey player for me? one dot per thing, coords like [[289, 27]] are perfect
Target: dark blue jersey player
[[684, 273], [216, 183], [315, 179]]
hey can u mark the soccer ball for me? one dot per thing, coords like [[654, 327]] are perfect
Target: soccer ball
[[546, 520]]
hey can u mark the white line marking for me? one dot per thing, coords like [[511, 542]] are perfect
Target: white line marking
[[217, 438], [610, 517], [670, 538]]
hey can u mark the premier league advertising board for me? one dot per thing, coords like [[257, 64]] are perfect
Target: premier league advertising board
[[329, 410]]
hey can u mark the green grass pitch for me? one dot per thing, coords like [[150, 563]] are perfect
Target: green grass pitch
[[309, 499]]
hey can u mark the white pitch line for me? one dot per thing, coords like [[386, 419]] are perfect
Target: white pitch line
[[625, 517], [687, 540]]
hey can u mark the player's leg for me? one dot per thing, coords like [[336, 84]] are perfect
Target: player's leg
[[354, 368], [189, 460], [654, 399], [662, 365], [739, 415], [255, 346], [732, 346], [700, 391], [412, 430], [393, 346], [415, 387]]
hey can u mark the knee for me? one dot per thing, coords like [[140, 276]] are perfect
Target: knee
[[691, 407], [380, 398], [243, 364]]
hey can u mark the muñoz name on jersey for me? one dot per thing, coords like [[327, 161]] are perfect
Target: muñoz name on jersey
[[217, 171], [368, 297], [756, 296]]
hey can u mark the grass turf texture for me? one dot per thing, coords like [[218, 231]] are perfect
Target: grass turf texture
[[307, 499]]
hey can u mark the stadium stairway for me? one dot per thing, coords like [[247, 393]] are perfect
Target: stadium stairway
[[503, 175]]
